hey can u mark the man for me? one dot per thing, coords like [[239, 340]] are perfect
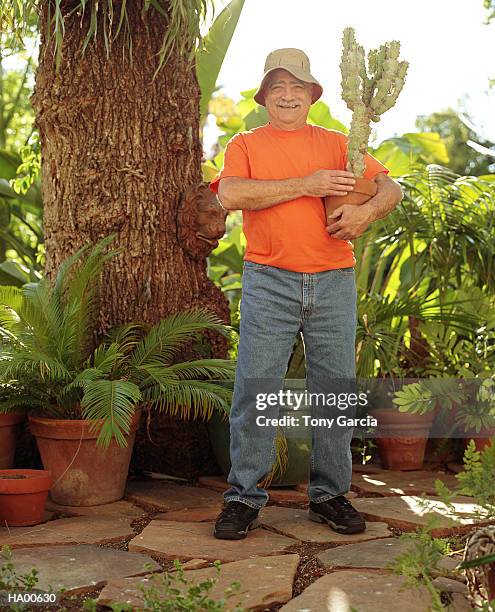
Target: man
[[298, 277]]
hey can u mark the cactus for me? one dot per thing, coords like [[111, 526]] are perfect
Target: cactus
[[368, 96]]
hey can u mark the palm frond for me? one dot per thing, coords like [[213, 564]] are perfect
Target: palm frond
[[281, 462], [82, 289], [111, 404], [165, 339], [204, 368], [191, 399], [127, 336], [107, 359]]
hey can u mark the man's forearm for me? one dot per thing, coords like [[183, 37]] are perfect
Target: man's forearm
[[252, 194], [388, 195]]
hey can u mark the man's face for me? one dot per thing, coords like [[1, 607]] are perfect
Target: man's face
[[287, 100]]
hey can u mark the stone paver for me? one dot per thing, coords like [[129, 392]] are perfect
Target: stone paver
[[276, 494], [345, 591], [265, 581], [449, 585], [79, 568], [459, 604], [406, 513], [174, 540], [166, 496], [393, 482], [191, 515], [294, 523], [375, 554], [77, 530], [121, 508]]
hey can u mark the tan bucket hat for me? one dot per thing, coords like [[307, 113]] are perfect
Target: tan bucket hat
[[294, 61]]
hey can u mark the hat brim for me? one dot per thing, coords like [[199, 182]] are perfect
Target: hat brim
[[296, 71]]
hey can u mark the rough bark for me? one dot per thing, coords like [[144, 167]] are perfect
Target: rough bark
[[118, 150]]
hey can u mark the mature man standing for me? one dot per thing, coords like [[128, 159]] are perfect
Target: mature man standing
[[298, 277]]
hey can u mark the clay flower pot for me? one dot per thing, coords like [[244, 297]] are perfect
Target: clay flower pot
[[23, 496], [9, 425], [83, 473], [403, 438], [362, 192]]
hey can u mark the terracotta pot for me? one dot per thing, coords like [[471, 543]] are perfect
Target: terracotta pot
[[83, 474], [23, 496], [362, 192], [404, 436], [9, 425]]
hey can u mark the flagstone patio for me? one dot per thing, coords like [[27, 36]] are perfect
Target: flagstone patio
[[289, 563]]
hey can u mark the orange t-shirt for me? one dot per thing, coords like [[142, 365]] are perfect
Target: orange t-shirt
[[291, 235]]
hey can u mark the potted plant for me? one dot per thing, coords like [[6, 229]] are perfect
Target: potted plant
[[368, 97], [23, 496], [84, 404], [476, 415], [403, 431]]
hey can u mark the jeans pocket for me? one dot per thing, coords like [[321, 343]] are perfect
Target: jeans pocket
[[256, 267]]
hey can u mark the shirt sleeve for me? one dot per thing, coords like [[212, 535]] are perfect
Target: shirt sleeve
[[372, 165], [235, 162]]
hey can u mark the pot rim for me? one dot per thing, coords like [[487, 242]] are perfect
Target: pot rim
[[36, 481], [10, 418]]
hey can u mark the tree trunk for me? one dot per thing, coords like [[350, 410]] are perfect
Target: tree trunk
[[118, 151]]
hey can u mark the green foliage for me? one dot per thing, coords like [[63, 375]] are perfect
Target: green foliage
[[181, 36], [21, 235], [422, 397], [48, 367], [455, 134], [29, 170], [11, 581], [402, 154], [173, 592], [209, 58], [422, 286], [421, 561], [477, 480]]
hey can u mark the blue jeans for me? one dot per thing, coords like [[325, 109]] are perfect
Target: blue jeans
[[277, 304]]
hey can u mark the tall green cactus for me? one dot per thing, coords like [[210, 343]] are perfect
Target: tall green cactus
[[368, 96]]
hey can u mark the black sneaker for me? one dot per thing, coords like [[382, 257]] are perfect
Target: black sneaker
[[235, 520], [339, 513]]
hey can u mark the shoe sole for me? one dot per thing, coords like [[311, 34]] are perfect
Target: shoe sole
[[228, 534], [346, 529]]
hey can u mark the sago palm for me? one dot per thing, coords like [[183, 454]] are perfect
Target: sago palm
[[47, 367]]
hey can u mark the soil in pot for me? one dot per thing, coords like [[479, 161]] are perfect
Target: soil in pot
[[23, 496], [9, 426], [362, 192], [403, 436], [83, 474]]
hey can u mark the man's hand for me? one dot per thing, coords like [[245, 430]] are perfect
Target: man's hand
[[350, 221], [328, 182]]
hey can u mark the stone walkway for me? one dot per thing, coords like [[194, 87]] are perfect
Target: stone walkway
[[289, 564]]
